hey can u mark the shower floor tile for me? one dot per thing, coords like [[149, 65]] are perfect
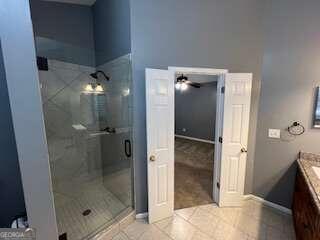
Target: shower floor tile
[[119, 183], [71, 203]]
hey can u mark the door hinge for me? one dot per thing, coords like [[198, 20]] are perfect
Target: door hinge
[[223, 89], [218, 185], [220, 139]]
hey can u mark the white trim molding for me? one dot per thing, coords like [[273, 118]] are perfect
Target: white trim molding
[[267, 203], [220, 73], [245, 198], [194, 139], [142, 215], [203, 71]]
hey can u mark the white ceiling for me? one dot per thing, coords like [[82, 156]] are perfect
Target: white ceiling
[[80, 2]]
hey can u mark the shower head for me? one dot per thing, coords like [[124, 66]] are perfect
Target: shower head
[[95, 75]]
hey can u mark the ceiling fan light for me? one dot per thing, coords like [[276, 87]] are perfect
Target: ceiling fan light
[[184, 86], [178, 86]]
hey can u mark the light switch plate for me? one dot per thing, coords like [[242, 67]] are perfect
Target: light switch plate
[[274, 133]]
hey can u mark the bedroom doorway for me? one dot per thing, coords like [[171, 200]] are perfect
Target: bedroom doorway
[[195, 117], [231, 136]]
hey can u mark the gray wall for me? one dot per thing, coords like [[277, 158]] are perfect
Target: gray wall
[[11, 197], [63, 31], [23, 83], [220, 34], [82, 34], [290, 74], [195, 111], [111, 29]]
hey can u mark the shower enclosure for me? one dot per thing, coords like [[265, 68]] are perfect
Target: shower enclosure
[[87, 105]]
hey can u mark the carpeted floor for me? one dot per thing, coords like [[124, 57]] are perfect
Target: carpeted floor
[[193, 173]]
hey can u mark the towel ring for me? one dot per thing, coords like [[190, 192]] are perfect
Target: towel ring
[[296, 129]]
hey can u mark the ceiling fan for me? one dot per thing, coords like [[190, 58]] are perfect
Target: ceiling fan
[[183, 83]]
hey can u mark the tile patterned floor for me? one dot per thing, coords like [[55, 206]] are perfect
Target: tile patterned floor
[[253, 221], [73, 199]]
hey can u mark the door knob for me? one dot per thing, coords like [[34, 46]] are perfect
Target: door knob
[[152, 158], [244, 150]]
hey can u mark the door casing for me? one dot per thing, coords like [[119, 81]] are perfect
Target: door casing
[[220, 73]]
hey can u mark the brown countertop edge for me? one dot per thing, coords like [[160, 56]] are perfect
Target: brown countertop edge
[[305, 162]]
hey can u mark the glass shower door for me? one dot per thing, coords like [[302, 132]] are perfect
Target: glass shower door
[[89, 135], [117, 157], [117, 146]]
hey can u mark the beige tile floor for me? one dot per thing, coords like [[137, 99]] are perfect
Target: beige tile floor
[[253, 221]]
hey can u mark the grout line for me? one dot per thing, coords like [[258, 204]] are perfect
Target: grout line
[[220, 220], [194, 211], [155, 225], [121, 231]]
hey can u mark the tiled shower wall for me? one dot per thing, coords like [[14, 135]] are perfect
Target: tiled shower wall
[[73, 154], [89, 167], [78, 151]]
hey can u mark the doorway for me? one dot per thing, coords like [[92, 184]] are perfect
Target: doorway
[[195, 117], [231, 136]]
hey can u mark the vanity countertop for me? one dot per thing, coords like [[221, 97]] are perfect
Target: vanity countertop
[[305, 162]]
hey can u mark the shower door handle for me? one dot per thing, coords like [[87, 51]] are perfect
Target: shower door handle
[[127, 148]]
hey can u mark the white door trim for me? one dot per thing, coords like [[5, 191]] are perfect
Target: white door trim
[[218, 134], [220, 73], [200, 71]]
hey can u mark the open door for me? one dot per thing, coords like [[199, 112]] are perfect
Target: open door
[[160, 143], [235, 130]]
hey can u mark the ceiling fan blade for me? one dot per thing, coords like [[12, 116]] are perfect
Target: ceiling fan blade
[[193, 84]]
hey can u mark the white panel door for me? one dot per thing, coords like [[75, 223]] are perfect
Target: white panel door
[[234, 138], [160, 143]]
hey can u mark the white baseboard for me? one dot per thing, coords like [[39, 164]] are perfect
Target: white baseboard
[[267, 203], [245, 198], [142, 215], [194, 139]]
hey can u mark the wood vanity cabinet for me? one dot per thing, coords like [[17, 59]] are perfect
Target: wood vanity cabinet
[[305, 214]]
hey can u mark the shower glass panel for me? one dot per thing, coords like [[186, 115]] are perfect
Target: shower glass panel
[[87, 105], [89, 140]]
